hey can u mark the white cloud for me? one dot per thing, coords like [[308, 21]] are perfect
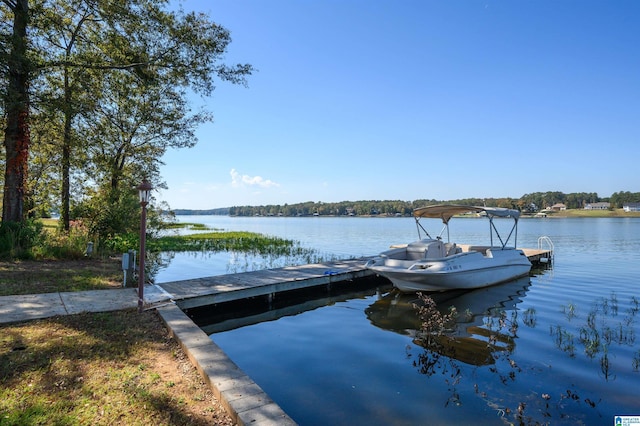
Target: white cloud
[[245, 180]]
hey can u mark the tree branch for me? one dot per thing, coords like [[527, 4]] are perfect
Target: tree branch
[[11, 4]]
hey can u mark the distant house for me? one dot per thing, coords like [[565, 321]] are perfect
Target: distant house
[[631, 207], [558, 207], [597, 206]]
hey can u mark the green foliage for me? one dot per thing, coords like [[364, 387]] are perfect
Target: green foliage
[[189, 226], [64, 245], [120, 243], [34, 240], [17, 239], [110, 84], [618, 199], [112, 219]]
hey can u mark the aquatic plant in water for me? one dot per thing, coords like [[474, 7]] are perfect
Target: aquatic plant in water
[[602, 328], [248, 242]]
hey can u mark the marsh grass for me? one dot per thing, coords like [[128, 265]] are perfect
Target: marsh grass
[[102, 368], [190, 226], [248, 242]]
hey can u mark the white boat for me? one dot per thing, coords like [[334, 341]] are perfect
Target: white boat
[[430, 264]]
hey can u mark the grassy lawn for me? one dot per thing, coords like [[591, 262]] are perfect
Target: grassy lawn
[[604, 213], [592, 213], [48, 276], [100, 369], [96, 368]]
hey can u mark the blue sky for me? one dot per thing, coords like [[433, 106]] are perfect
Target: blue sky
[[373, 99]]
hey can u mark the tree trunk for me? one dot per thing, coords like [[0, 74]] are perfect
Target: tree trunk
[[16, 136]]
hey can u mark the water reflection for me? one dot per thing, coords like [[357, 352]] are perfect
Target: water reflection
[[482, 328], [459, 332], [484, 333], [172, 266]]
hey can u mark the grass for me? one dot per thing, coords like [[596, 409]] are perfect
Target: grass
[[105, 368], [189, 226], [50, 225], [49, 276], [593, 213]]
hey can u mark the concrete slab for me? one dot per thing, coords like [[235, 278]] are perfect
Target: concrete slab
[[99, 300], [154, 294], [30, 307], [35, 306], [265, 415]]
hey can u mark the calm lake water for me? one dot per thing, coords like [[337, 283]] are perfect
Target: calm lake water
[[560, 347]]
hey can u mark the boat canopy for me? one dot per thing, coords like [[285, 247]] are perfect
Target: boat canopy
[[447, 211]]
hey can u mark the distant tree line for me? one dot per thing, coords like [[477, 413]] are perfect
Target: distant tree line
[[617, 199], [529, 203], [187, 212]]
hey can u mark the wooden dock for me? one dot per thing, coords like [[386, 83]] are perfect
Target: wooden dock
[[538, 256], [225, 288], [206, 291]]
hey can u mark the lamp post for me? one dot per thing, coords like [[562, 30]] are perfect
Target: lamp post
[[145, 192]]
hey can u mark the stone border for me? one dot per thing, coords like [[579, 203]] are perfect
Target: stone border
[[243, 399]]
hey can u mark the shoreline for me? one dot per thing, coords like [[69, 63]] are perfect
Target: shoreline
[[570, 213]]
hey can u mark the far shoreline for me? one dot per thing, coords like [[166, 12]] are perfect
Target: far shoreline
[[583, 213], [548, 214]]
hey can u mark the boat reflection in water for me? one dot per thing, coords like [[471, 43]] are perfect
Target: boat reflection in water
[[483, 327]]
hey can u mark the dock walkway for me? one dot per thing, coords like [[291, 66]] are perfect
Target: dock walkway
[[224, 288]]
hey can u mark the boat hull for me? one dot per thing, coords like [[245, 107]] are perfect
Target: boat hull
[[460, 271]]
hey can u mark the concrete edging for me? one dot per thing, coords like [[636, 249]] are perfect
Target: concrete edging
[[245, 401]]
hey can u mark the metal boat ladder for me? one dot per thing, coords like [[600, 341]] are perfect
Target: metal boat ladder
[[545, 243]]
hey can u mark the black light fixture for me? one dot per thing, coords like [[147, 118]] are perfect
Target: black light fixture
[[145, 194]]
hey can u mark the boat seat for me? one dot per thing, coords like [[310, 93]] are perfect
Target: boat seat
[[416, 252], [435, 250], [426, 249], [451, 249]]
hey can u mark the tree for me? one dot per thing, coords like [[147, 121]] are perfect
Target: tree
[[134, 52], [17, 72], [44, 158], [83, 48], [133, 126]]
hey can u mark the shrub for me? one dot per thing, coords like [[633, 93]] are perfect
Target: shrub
[[17, 239], [64, 245]]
